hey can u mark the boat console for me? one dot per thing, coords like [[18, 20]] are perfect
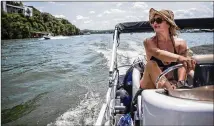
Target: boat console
[[204, 70], [192, 106]]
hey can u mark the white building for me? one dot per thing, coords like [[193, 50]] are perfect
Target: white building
[[8, 8]]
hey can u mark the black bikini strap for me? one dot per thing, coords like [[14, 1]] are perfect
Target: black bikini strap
[[173, 43], [157, 41]]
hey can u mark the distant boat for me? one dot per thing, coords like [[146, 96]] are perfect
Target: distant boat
[[49, 36], [88, 33]]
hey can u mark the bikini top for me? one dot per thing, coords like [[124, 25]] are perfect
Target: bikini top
[[159, 62]]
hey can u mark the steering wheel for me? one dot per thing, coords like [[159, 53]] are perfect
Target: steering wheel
[[167, 71]]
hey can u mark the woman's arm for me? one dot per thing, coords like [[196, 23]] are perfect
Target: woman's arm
[[182, 51], [152, 50]]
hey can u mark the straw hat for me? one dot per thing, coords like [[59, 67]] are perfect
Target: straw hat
[[166, 14]]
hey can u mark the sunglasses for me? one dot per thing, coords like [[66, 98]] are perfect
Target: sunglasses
[[158, 20]]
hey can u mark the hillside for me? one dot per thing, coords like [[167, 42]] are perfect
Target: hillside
[[17, 26], [97, 31]]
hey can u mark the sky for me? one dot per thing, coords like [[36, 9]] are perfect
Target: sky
[[105, 15]]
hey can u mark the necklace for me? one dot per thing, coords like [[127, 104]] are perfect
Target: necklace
[[166, 49]]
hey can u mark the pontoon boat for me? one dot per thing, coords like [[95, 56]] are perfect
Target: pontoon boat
[[189, 104]]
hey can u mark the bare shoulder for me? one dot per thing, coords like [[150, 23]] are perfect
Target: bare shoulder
[[181, 46], [180, 42], [149, 40]]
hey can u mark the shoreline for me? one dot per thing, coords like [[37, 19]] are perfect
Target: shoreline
[[34, 38]]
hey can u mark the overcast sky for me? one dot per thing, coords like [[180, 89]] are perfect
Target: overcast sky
[[105, 15]]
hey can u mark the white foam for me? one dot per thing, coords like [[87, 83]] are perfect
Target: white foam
[[84, 114], [56, 37], [125, 57], [41, 38], [59, 37], [106, 53]]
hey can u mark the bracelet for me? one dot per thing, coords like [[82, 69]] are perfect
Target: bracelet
[[177, 60]]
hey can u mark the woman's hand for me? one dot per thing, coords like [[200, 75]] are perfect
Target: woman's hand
[[170, 87], [173, 86], [188, 63]]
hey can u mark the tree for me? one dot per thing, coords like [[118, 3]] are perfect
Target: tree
[[18, 26]]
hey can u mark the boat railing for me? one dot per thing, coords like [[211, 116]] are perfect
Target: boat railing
[[106, 115], [114, 52], [108, 108]]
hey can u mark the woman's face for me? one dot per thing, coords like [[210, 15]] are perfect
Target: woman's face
[[159, 26]]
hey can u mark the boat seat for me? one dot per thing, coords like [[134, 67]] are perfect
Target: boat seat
[[204, 59], [136, 76], [137, 73], [204, 71]]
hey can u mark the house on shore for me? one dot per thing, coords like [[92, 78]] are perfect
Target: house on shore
[[39, 34], [9, 8]]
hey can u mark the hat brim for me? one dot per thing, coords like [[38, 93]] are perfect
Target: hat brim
[[153, 12]]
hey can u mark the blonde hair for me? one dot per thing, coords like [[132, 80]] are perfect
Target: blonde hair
[[173, 31]]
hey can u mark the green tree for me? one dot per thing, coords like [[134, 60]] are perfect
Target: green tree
[[18, 26]]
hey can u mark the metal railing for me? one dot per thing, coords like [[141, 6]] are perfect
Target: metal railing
[[106, 114]]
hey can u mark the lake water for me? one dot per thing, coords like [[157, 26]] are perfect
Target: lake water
[[63, 81]]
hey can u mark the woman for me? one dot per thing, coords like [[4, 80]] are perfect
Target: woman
[[164, 50]]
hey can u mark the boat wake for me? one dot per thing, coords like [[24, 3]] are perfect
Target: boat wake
[[56, 37], [84, 114], [60, 37], [88, 109], [125, 57]]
